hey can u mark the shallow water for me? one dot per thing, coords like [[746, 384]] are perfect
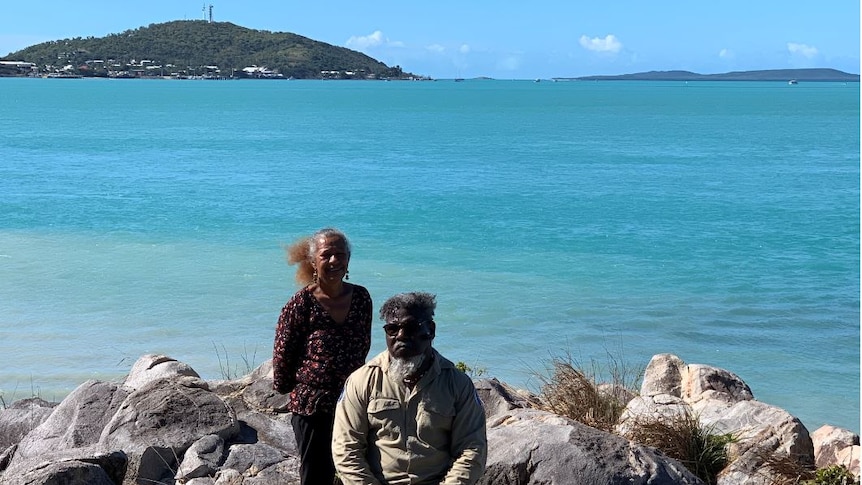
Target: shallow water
[[715, 221]]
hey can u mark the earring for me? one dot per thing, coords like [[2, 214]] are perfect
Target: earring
[[314, 277], [347, 275]]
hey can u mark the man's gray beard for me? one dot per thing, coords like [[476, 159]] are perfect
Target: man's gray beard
[[405, 367]]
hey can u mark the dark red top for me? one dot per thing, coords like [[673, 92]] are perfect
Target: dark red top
[[313, 355]]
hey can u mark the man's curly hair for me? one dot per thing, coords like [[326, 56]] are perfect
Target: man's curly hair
[[416, 303]]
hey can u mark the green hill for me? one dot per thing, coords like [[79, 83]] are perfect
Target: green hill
[[189, 46]]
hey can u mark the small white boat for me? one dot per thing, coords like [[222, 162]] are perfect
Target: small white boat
[[793, 81]]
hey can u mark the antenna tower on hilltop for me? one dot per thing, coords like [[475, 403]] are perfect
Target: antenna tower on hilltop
[[210, 19]]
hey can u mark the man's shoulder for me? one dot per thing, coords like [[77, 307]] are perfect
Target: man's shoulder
[[446, 366], [374, 365]]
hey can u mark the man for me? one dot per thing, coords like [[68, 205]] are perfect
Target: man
[[408, 415]]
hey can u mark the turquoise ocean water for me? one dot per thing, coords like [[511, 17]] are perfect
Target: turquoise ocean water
[[715, 221]]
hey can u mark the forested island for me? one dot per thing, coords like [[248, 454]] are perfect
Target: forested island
[[199, 49], [786, 75]]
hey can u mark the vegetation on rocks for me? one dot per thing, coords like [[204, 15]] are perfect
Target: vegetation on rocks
[[833, 475], [578, 393], [575, 392], [683, 438]]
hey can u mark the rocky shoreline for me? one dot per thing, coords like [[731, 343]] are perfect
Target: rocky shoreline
[[165, 425]]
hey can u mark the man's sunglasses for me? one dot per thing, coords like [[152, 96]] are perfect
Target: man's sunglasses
[[409, 329]]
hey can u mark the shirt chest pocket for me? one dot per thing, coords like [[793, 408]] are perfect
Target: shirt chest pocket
[[434, 422], [385, 417]]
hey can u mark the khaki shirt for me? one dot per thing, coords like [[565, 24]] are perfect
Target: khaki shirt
[[387, 434]]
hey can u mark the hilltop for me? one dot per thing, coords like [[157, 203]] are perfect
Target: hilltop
[[198, 47], [785, 75]]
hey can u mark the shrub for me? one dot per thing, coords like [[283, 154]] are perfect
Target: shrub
[[683, 438], [470, 371], [833, 475]]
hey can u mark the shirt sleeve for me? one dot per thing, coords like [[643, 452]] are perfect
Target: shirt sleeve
[[288, 344], [350, 434], [469, 440]]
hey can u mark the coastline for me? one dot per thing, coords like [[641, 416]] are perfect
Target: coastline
[[112, 428]]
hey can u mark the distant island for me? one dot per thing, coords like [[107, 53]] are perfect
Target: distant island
[[786, 75], [196, 49]]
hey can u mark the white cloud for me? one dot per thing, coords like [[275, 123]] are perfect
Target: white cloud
[[366, 41], [436, 48], [803, 50], [597, 44], [464, 49], [726, 54]]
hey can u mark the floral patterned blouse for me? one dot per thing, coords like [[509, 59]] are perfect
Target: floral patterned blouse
[[313, 355]]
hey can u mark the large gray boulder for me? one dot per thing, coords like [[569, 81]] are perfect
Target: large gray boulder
[[157, 423], [528, 446], [77, 422]]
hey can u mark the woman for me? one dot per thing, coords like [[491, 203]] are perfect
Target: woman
[[323, 334]]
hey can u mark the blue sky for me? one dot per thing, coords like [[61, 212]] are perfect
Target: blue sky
[[502, 39]]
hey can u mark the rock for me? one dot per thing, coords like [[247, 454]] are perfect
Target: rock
[[6, 457], [77, 422], [663, 375], [166, 425], [253, 391], [77, 466], [528, 446], [769, 427], [20, 418], [723, 404], [202, 459], [498, 398], [250, 460], [703, 382], [830, 444], [228, 477], [272, 429], [65, 473], [658, 407], [849, 457], [201, 481], [285, 472], [151, 367], [157, 423]]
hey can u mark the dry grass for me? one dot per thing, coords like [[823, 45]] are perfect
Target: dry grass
[[683, 438], [578, 394], [783, 469], [230, 372]]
